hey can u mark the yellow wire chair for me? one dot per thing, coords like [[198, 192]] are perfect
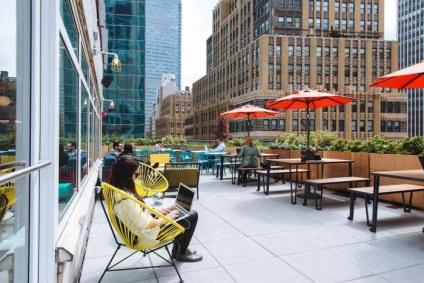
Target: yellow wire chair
[[150, 181], [124, 217], [161, 158], [7, 200], [7, 194]]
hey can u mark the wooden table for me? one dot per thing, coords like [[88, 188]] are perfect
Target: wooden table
[[296, 162], [233, 155], [264, 156], [411, 175]]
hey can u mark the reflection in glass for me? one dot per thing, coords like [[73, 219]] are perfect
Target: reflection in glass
[[68, 21], [85, 109], [14, 118], [68, 105]]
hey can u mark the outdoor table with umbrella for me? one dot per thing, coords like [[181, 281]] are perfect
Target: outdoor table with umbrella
[[407, 78], [248, 111], [308, 99]]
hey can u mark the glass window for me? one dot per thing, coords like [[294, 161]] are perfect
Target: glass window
[[282, 125], [354, 128], [370, 107], [69, 24], [266, 125], [370, 126], [354, 106], [294, 125], [333, 125], [15, 107], [273, 125], [324, 125], [362, 126], [341, 125]]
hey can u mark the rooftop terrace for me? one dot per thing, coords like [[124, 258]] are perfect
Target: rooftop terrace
[[245, 236]]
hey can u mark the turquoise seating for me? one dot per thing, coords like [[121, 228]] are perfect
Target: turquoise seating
[[65, 191]]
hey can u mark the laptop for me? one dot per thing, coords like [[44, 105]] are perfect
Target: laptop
[[184, 200], [307, 155]]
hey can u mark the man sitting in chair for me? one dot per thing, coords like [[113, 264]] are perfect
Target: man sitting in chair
[[117, 149], [220, 148], [124, 173]]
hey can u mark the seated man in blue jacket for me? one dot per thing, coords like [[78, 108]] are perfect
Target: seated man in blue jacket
[[221, 146]]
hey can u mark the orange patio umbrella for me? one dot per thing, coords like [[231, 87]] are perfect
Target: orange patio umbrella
[[308, 99], [411, 77], [248, 111]]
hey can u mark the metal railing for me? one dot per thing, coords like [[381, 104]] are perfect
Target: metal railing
[[14, 175]]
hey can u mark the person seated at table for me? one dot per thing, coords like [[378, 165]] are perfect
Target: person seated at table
[[117, 149], [128, 150], [72, 149], [158, 146], [124, 172], [63, 157], [220, 148], [249, 154]]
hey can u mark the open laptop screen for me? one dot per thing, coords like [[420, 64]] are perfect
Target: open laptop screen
[[185, 197]]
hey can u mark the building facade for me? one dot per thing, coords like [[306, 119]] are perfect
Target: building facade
[[50, 94], [411, 44], [163, 46], [167, 87], [261, 50], [126, 24], [173, 110]]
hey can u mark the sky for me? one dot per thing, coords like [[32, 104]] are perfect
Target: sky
[[197, 27]]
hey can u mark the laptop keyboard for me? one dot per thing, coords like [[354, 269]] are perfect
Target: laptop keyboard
[[182, 213]]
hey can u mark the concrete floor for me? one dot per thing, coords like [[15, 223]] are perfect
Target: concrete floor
[[246, 236]]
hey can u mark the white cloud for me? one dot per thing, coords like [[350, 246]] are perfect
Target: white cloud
[[197, 27], [390, 19]]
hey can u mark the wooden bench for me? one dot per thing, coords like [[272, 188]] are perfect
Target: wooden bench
[[318, 184], [280, 172], [241, 170], [368, 192]]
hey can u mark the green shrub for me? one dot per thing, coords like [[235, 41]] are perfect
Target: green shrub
[[289, 141], [175, 143], [240, 142], [7, 141], [321, 140], [414, 145]]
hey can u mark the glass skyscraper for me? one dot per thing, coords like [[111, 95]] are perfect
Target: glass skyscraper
[[411, 51], [163, 46], [126, 29]]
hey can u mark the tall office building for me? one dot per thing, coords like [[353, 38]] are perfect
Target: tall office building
[[411, 51], [163, 46], [264, 49], [125, 22]]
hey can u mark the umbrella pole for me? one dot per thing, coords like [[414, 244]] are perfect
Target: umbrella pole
[[248, 125], [307, 125]]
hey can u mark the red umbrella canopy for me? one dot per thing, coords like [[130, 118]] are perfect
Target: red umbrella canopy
[[248, 111], [309, 99], [411, 77]]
